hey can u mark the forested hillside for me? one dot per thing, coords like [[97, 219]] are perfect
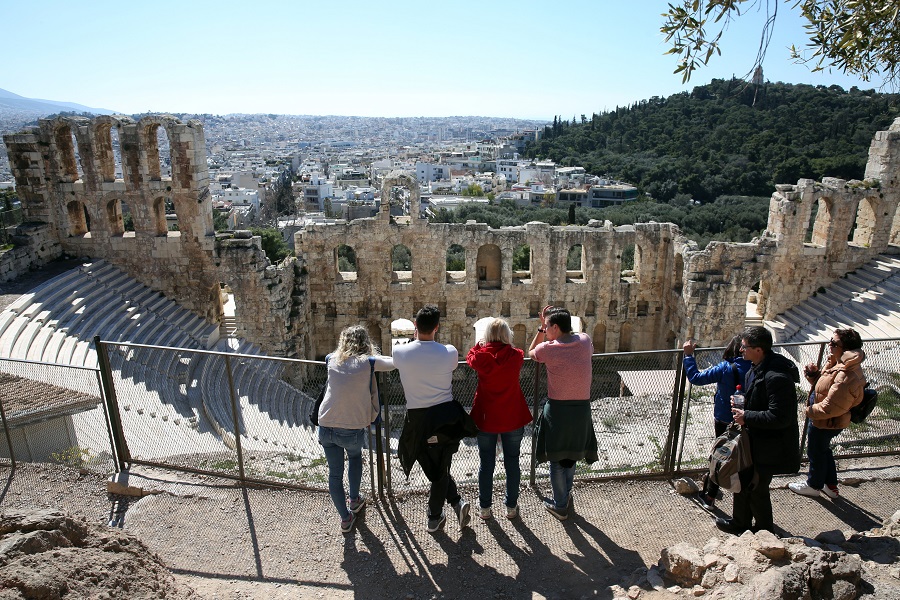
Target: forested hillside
[[726, 137]]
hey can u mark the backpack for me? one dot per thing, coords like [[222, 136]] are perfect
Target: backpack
[[862, 410], [729, 456]]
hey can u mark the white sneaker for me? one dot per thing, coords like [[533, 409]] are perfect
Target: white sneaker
[[831, 491], [486, 513], [802, 488], [512, 512]]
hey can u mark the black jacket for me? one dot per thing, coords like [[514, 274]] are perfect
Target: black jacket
[[448, 422], [771, 415]]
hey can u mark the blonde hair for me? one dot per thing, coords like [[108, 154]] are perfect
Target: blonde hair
[[354, 341], [498, 331]]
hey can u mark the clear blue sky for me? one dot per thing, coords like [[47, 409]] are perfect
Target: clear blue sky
[[516, 58]]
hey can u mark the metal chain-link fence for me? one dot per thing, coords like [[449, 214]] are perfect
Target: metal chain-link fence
[[246, 417]]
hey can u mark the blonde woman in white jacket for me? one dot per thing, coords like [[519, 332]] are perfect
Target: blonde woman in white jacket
[[349, 406]]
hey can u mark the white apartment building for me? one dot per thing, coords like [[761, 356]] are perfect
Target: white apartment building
[[428, 172]]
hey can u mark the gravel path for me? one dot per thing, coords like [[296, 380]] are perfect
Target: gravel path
[[227, 542]]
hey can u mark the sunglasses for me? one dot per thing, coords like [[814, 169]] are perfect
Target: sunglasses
[[743, 347], [833, 343]]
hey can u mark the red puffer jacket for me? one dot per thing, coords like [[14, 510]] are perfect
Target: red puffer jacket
[[499, 404], [839, 388]]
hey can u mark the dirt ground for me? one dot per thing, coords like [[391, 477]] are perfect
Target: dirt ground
[[232, 543]]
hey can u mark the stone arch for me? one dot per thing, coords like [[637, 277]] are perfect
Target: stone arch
[[865, 223], [160, 227], [107, 150], [575, 259], [821, 218], [627, 262], [625, 335], [405, 179], [754, 307], [520, 336], [79, 218], [613, 309], [401, 264], [157, 142], [114, 217], [521, 264], [456, 339], [374, 330], [678, 283], [599, 338], [456, 264], [345, 265], [487, 267], [67, 163]]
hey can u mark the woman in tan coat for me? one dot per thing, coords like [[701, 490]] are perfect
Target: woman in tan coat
[[838, 388]]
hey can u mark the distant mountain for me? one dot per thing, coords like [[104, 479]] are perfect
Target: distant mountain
[[16, 103]]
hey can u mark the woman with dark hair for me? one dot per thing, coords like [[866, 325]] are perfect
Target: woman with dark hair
[[727, 375], [349, 406], [837, 389], [500, 412]]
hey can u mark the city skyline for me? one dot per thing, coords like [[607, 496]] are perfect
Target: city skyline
[[525, 60]]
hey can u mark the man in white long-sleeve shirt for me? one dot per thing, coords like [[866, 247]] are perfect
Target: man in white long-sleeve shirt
[[426, 371]]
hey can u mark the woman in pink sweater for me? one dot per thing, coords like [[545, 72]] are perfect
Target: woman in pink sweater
[[500, 411]]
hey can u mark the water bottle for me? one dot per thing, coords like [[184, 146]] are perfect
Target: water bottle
[[737, 400]]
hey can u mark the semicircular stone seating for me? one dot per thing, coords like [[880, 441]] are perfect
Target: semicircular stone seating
[[175, 395]]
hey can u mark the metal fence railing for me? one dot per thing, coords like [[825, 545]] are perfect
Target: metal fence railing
[[246, 417]]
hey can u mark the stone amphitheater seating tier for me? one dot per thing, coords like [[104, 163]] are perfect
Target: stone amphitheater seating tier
[[867, 300]]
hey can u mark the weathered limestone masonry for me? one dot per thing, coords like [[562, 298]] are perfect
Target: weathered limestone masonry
[[672, 291], [620, 312], [82, 201]]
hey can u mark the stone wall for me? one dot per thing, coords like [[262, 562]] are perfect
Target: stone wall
[[817, 232]]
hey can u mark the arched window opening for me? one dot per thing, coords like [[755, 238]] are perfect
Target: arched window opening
[[625, 338], [114, 217], [402, 331], [104, 153], [65, 148], [487, 266], [401, 264], [591, 309], [127, 217], [161, 229], [229, 310], [678, 283], [375, 334], [863, 230], [613, 308], [599, 338], [163, 152], [520, 337], [627, 263], [643, 308], [116, 153], [810, 224], [456, 264], [752, 312], [158, 161], [79, 168], [398, 202], [575, 264], [822, 224], [345, 263], [457, 341], [79, 219], [521, 264]]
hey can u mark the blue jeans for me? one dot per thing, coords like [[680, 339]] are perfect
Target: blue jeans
[[487, 451], [335, 441], [822, 469], [561, 479]]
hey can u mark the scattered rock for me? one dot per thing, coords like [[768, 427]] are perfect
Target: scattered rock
[[684, 563], [49, 554], [732, 572], [835, 536], [686, 486]]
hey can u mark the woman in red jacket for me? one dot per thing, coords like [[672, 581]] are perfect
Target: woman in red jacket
[[500, 411]]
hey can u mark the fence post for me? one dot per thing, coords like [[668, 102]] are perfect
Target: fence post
[[668, 459], [113, 418], [234, 415], [379, 445], [12, 454], [535, 410]]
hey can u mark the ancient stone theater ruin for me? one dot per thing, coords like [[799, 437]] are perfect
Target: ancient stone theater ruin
[[297, 308]]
